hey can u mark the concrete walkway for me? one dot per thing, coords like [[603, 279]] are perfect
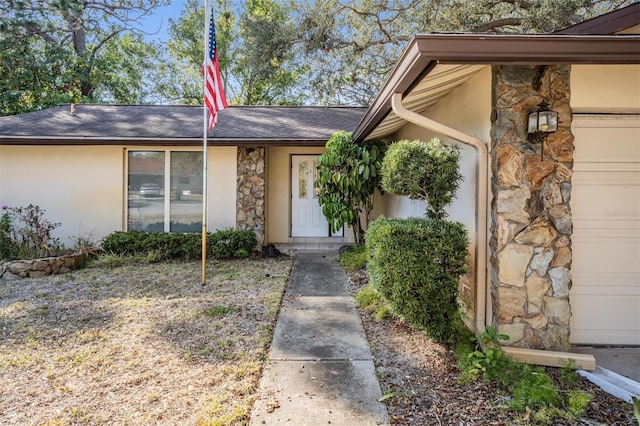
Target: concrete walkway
[[320, 370]]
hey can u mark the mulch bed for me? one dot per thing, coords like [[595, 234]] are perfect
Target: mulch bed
[[420, 380]]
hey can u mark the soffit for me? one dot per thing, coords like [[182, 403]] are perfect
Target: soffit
[[442, 80], [428, 52]]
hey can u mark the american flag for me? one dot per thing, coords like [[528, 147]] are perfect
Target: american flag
[[214, 97]]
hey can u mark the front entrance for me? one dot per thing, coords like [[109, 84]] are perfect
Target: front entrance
[[306, 214]]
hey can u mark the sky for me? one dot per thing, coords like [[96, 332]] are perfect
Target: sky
[[159, 21]]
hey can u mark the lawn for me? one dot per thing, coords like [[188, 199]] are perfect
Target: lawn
[[138, 343]]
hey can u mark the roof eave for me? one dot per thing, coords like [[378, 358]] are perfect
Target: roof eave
[[426, 51], [93, 141], [530, 49]]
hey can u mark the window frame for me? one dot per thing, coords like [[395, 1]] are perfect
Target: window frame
[[167, 180]]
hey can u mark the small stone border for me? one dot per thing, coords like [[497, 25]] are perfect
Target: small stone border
[[35, 268]]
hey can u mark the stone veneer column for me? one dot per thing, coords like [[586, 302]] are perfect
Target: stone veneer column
[[250, 188], [531, 218]]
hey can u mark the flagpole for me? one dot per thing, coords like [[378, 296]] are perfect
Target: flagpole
[[214, 101], [204, 153]]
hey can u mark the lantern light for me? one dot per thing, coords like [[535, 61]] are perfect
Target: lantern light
[[543, 120]]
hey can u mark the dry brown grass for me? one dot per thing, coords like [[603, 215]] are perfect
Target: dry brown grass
[[138, 344]]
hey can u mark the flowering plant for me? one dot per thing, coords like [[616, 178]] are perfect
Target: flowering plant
[[26, 234]]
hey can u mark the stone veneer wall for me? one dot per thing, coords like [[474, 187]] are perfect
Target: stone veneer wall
[[250, 207], [531, 218], [36, 268]]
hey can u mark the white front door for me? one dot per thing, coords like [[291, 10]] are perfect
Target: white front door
[[306, 214]]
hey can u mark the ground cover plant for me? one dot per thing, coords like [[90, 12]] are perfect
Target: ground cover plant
[[425, 382], [138, 344]]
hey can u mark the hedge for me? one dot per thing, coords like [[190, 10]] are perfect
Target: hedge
[[223, 244]]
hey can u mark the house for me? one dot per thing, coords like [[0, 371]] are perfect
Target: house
[[101, 168], [554, 220]]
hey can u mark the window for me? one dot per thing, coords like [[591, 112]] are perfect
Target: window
[[157, 204], [302, 180]]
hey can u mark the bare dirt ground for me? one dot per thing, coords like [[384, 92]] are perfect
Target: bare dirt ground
[[420, 378], [137, 344]]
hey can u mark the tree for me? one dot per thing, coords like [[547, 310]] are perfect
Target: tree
[[348, 175], [350, 46], [72, 50], [263, 64], [423, 171], [179, 75], [255, 50]]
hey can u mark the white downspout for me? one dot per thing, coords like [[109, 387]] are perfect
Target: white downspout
[[533, 356]]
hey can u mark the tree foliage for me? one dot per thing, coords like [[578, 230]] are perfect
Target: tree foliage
[[326, 52], [350, 46], [73, 51], [427, 171], [348, 175], [255, 50]]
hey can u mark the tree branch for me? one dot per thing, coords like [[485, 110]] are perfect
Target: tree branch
[[498, 23]]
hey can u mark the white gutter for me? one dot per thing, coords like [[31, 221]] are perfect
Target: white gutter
[[533, 356]]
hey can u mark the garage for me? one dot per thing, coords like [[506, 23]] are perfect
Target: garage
[[605, 202]]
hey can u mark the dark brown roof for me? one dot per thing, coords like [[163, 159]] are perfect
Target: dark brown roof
[[607, 24], [177, 125]]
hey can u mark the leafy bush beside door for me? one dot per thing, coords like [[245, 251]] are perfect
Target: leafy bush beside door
[[348, 175], [416, 263]]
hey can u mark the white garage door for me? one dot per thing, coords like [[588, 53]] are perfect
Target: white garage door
[[605, 201]]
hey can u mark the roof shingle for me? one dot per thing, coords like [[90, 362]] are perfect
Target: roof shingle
[[182, 124]]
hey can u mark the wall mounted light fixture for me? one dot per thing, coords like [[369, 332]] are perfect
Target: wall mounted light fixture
[[543, 119], [541, 122]]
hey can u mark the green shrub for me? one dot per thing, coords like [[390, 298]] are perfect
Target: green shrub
[[155, 246], [355, 258], [348, 175], [416, 265], [426, 171], [231, 243], [370, 300]]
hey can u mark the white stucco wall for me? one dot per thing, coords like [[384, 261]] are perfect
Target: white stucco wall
[[221, 185], [80, 187], [605, 88], [83, 187], [467, 109]]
